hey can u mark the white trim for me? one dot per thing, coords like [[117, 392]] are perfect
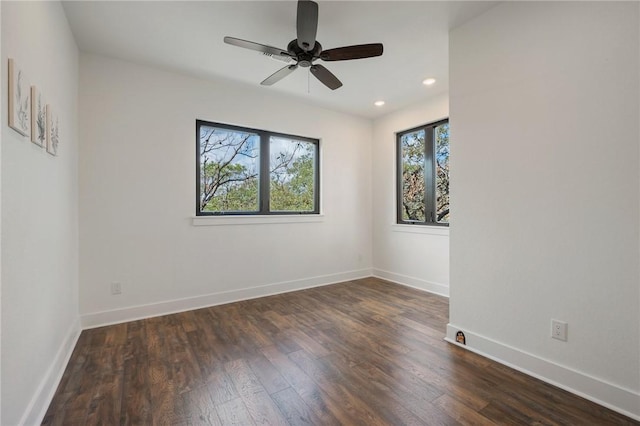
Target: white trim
[[446, 117], [37, 408], [255, 219], [617, 398], [116, 316], [417, 283], [421, 229]]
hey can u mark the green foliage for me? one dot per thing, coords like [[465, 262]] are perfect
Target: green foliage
[[240, 197], [293, 189]]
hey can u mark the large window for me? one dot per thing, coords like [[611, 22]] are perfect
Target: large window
[[423, 175], [248, 171]]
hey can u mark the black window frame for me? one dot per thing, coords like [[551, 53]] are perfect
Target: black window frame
[[263, 174], [430, 175]]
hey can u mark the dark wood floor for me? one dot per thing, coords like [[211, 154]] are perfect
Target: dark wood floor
[[365, 352]]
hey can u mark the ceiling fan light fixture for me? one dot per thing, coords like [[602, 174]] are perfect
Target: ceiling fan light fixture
[[378, 103], [428, 81]]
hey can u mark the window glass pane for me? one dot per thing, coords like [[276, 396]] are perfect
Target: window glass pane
[[442, 173], [413, 176], [229, 164], [292, 174]]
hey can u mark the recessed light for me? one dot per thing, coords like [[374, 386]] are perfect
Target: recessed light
[[378, 103], [428, 81]]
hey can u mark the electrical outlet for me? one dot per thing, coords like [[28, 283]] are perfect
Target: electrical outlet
[[116, 288], [559, 330]]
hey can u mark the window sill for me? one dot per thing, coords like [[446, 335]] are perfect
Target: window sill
[[255, 220], [421, 229]]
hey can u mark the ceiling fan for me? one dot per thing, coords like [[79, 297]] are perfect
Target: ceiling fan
[[305, 49]]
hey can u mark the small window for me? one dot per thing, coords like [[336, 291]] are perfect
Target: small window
[[244, 171], [423, 175]]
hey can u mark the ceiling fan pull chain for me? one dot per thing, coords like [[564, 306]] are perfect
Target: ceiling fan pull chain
[[309, 82]]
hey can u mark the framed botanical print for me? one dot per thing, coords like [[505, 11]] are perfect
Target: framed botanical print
[[38, 118], [52, 131], [19, 100]]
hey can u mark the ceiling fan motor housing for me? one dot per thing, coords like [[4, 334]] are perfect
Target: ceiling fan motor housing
[[304, 58]]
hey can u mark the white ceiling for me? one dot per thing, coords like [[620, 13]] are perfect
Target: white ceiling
[[186, 37]]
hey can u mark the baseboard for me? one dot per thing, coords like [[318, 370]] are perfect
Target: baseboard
[[116, 316], [37, 408], [619, 399], [418, 283]]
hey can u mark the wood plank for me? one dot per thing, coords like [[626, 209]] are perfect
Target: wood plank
[[294, 408], [330, 382], [221, 386], [360, 352], [383, 394], [199, 408], [269, 376], [460, 412], [136, 397], [319, 402], [234, 412], [260, 406]]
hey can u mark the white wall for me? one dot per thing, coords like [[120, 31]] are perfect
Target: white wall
[[137, 192], [545, 177], [1, 94], [39, 217], [412, 255]]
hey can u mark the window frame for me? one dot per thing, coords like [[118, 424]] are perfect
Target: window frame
[[430, 201], [264, 187]]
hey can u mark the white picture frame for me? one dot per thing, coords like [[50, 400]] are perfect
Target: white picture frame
[[19, 100], [38, 118], [53, 131]]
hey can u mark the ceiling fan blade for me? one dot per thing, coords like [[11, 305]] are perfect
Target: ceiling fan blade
[[307, 24], [326, 77], [346, 53], [279, 75], [256, 46]]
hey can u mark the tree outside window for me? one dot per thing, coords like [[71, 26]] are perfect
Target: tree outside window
[[248, 171], [423, 175]]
